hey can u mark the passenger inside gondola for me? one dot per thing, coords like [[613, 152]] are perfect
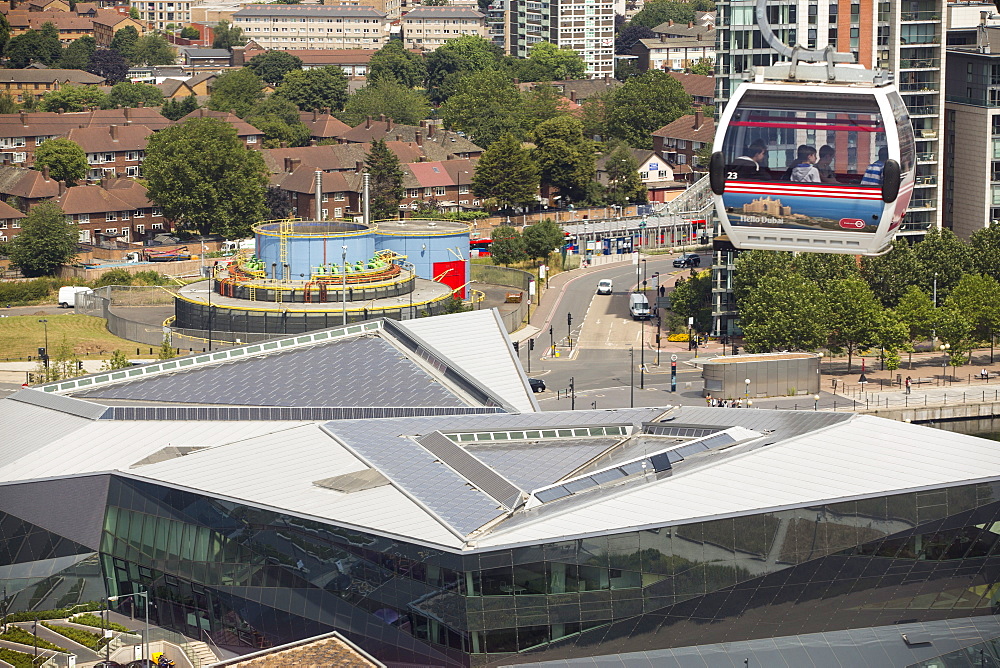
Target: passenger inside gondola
[[752, 164], [825, 164]]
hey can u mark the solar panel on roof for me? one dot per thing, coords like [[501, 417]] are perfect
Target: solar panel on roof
[[552, 494], [473, 470]]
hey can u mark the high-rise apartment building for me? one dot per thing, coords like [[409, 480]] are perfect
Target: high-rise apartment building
[[586, 27], [904, 37]]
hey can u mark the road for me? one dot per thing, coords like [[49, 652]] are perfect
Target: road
[[605, 338]]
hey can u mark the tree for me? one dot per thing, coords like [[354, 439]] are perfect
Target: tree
[[449, 62], [542, 238], [46, 241], [507, 174], [124, 42], [624, 183], [386, 96], [784, 312], [486, 105], [129, 94], [394, 62], [133, 13], [272, 66], [629, 36], [508, 246], [548, 62], [855, 316], [278, 202], [954, 329], [753, 267], [64, 158], [824, 267], [385, 181], [916, 311], [984, 248], [692, 298], [118, 360], [543, 102], [279, 120], [565, 159], [4, 33], [109, 64], [74, 98], [978, 299], [890, 275], [704, 67], [942, 255], [7, 104], [205, 178], [317, 88], [642, 105], [190, 32], [178, 109], [167, 351], [593, 116], [153, 49], [227, 36], [77, 55], [237, 91], [34, 46]]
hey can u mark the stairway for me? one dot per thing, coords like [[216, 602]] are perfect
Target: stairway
[[200, 653]]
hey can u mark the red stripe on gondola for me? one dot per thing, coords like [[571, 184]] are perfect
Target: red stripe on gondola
[[793, 119], [799, 126]]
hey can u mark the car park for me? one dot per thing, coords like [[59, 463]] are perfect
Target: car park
[[605, 286], [687, 260]]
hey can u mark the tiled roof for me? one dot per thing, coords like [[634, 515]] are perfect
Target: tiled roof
[[95, 199], [7, 211], [684, 128], [49, 76], [323, 125], [61, 20], [26, 183], [243, 129], [316, 57], [672, 30], [170, 86], [109, 17], [49, 124], [330, 158], [696, 85], [437, 143], [111, 138], [207, 53], [129, 191], [430, 174], [303, 180]]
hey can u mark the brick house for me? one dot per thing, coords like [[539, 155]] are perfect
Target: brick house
[[10, 222], [27, 185], [251, 136], [700, 87], [114, 150], [436, 143], [427, 28], [323, 125], [341, 191], [681, 140], [657, 175], [35, 83], [117, 210], [446, 184], [108, 21]]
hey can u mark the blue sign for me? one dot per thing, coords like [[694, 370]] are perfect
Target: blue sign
[[654, 166]]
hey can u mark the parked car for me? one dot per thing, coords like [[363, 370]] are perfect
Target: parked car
[[687, 260], [605, 286], [537, 384]]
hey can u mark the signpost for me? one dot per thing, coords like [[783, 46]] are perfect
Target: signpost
[[673, 373]]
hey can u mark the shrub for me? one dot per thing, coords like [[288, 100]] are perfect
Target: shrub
[[85, 638], [150, 277], [28, 292], [680, 336], [116, 276], [59, 613], [88, 619], [19, 635], [16, 659]]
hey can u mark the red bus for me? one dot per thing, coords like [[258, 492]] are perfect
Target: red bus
[[480, 245]]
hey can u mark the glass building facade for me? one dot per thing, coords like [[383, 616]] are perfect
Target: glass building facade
[[254, 578]]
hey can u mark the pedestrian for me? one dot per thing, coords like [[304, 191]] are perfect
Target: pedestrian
[[708, 399], [984, 374], [908, 381]]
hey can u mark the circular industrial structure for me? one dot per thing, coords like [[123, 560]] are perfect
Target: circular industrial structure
[[309, 274]]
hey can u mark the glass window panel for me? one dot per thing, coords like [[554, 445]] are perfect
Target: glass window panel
[[135, 531]]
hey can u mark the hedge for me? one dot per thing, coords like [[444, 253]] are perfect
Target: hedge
[[94, 620], [19, 635], [16, 659], [59, 613], [85, 638]]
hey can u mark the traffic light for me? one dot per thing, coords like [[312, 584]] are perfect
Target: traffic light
[[569, 319], [517, 347], [79, 365], [531, 344], [41, 352]]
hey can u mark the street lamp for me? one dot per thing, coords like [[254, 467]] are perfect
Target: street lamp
[[145, 636], [643, 275], [945, 347], [343, 287], [935, 289], [815, 402], [746, 394]]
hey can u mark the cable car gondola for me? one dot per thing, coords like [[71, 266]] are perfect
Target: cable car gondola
[[813, 157]]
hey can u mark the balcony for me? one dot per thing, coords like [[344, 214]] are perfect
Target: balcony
[[919, 87], [926, 110], [915, 227], [924, 181], [926, 157], [913, 17], [923, 203], [919, 63]]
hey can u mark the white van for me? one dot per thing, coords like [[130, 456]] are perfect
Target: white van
[[68, 293], [638, 306]]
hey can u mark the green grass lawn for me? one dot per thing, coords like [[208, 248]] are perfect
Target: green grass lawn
[[21, 336]]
